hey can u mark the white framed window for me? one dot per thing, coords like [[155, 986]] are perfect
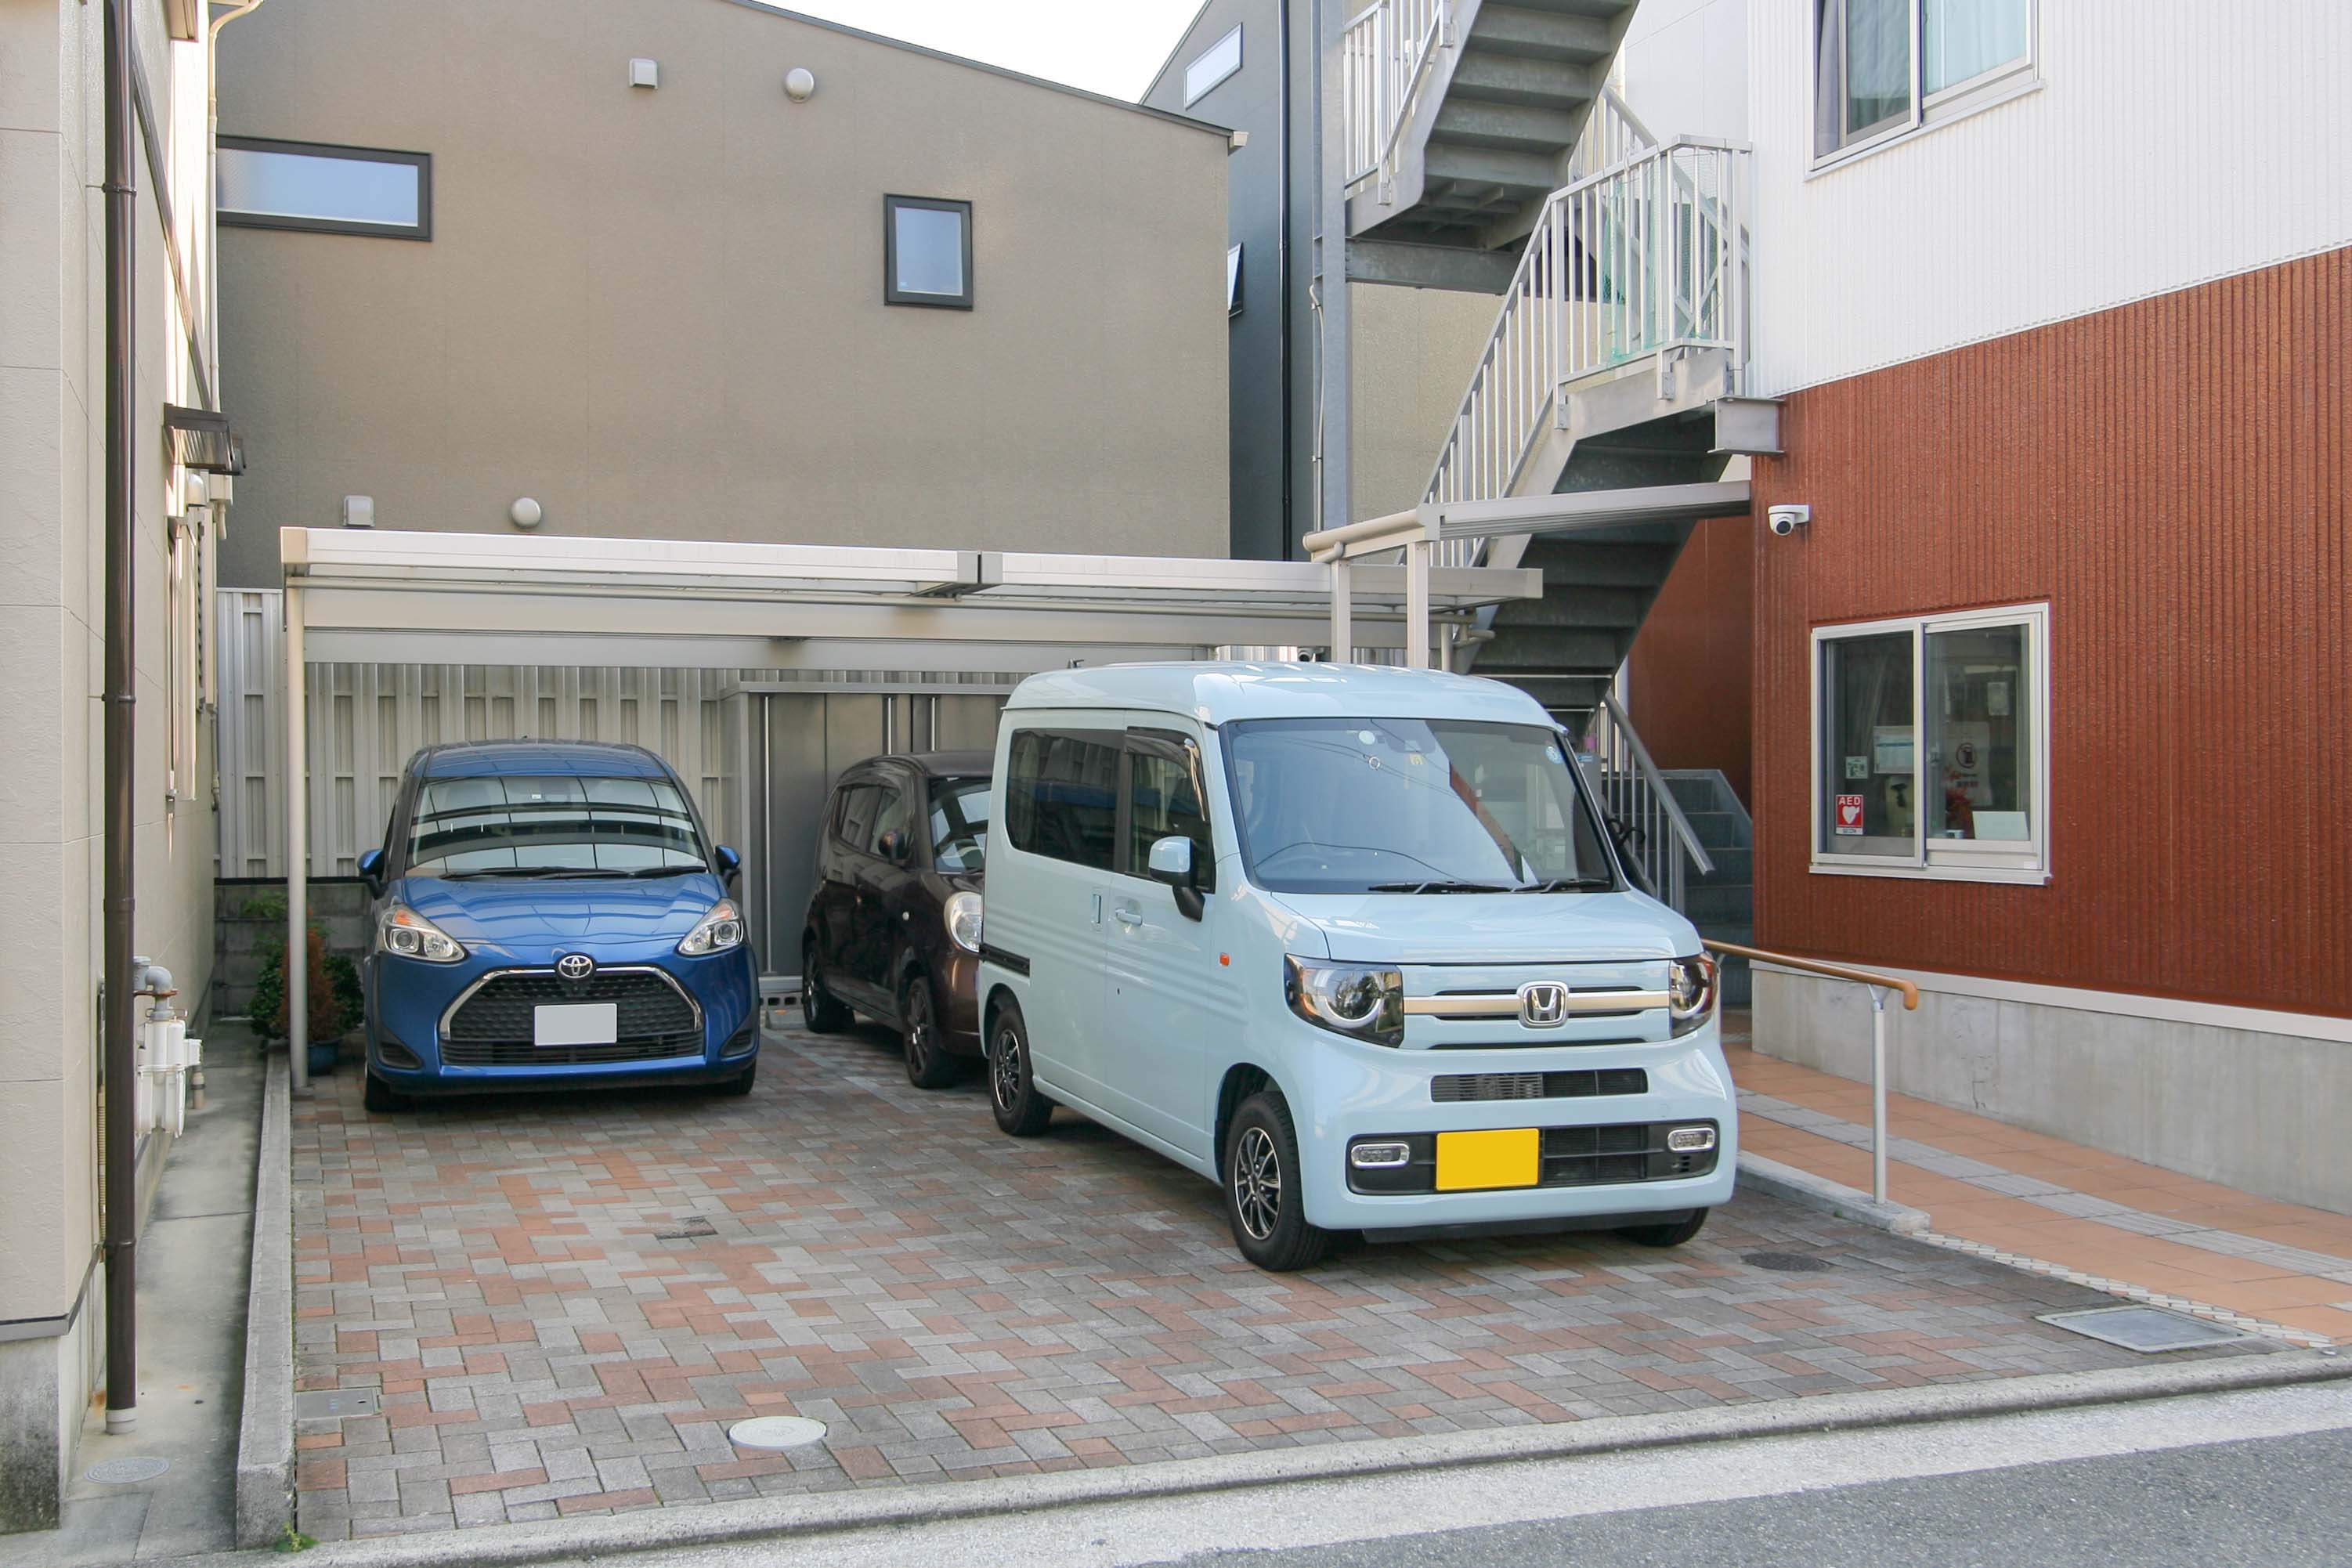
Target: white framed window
[[1233, 281], [1931, 746], [1883, 68], [1212, 66]]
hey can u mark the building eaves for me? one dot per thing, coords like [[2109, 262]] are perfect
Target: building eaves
[[1176, 49], [1064, 88]]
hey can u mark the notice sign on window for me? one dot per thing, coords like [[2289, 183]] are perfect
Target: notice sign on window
[[1848, 814]]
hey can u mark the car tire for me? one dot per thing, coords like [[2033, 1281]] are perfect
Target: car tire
[[1666, 1233], [379, 1097], [1264, 1199], [928, 1066], [821, 1011], [741, 1082], [1022, 1109]]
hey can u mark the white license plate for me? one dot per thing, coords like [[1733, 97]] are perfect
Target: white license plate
[[576, 1023]]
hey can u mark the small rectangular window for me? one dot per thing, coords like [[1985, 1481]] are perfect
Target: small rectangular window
[[927, 247], [1233, 279], [1214, 65], [1165, 800], [1885, 67], [325, 189], [1932, 743], [1061, 795]]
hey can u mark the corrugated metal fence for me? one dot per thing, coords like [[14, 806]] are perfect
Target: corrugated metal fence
[[367, 720]]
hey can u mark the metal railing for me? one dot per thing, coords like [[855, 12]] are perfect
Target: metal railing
[[1613, 132], [1385, 57], [1879, 985], [1653, 834], [1644, 256]]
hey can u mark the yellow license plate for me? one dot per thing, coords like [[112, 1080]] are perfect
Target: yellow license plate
[[1510, 1157]]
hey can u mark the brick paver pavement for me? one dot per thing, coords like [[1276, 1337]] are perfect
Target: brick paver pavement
[[565, 1299]]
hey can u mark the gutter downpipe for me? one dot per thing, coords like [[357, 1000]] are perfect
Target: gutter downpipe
[[212, 173], [1281, 271], [121, 476]]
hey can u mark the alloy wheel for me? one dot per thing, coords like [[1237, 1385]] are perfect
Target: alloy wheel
[[1257, 1182], [1004, 1069]]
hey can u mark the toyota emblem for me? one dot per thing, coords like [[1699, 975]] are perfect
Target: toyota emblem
[[1543, 1004], [575, 966]]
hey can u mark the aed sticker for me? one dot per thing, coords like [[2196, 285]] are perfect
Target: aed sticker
[[1848, 814], [1552, 753], [1857, 767]]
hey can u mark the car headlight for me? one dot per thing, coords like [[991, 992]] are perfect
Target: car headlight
[[717, 932], [963, 920], [1690, 990], [1362, 1001], [404, 931]]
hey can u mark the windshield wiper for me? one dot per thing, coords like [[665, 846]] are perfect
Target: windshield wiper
[[1435, 886], [1570, 885]]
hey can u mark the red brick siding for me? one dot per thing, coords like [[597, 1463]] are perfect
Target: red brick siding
[[2171, 477], [1690, 671]]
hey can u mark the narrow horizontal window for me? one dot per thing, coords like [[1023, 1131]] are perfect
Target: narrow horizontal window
[[927, 247], [1233, 279], [331, 190], [1216, 63]]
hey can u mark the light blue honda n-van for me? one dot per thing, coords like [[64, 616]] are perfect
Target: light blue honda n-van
[[1351, 941]]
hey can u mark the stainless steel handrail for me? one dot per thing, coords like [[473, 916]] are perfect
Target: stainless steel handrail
[[1878, 985]]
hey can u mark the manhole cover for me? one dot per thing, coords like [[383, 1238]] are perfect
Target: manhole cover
[[2147, 1329], [334, 1403], [776, 1432], [1787, 1262], [124, 1472]]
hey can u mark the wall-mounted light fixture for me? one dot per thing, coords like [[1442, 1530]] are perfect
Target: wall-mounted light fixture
[[799, 84], [526, 512], [645, 73]]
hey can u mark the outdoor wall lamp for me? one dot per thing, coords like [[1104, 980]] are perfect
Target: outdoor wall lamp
[[799, 84], [526, 512]]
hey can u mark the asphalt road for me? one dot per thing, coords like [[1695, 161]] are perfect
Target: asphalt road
[[2279, 1500]]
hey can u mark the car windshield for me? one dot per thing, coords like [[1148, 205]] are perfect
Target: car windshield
[[959, 823], [530, 827], [1411, 805]]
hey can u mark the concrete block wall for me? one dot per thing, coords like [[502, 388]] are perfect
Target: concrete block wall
[[2252, 1109], [250, 916]]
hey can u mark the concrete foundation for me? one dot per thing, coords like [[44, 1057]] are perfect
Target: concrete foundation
[[43, 1384], [2252, 1109]]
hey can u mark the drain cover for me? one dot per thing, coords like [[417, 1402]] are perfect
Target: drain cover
[[1786, 1262], [2147, 1329], [334, 1403], [123, 1471], [776, 1432]]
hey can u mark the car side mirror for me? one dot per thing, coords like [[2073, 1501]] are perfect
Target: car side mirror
[[1170, 861], [372, 871], [729, 863]]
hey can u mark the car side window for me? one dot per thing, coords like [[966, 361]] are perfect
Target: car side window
[[890, 816], [856, 826], [1061, 795], [1165, 800]]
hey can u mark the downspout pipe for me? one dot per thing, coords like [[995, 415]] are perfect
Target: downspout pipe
[[121, 476]]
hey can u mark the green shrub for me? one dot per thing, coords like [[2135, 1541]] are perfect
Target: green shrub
[[333, 999]]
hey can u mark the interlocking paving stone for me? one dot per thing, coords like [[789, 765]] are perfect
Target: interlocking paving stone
[[955, 1304]]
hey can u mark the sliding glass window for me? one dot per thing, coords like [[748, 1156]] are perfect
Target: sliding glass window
[[1885, 67]]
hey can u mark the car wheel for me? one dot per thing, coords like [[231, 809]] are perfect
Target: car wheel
[[823, 1012], [381, 1097], [1265, 1200], [1022, 1107], [1667, 1233], [928, 1066], [741, 1082]]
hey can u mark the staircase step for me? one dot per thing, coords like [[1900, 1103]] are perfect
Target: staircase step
[[1733, 864], [1600, 566], [1564, 649], [1577, 604], [1529, 176], [1542, 34], [1493, 77], [1513, 127], [1694, 792], [1715, 827], [1711, 903]]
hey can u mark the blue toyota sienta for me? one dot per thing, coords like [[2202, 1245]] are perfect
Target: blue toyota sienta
[[550, 914]]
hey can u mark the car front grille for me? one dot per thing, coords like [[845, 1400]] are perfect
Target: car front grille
[[1629, 1152], [1449, 1089], [493, 1025]]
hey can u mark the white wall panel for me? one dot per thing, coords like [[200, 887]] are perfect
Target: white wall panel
[[367, 720], [2170, 143]]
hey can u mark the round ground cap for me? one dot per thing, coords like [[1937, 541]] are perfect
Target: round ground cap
[[776, 1432], [132, 1468]]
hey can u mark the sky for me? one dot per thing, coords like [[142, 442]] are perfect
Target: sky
[[1110, 46]]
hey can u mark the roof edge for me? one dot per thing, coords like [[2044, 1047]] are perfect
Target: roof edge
[[913, 48], [1175, 50]]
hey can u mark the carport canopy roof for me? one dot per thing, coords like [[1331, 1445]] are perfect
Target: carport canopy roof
[[394, 596]]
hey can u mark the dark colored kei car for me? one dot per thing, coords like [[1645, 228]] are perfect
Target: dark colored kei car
[[552, 915], [894, 923]]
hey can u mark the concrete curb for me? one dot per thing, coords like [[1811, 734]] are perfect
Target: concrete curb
[[795, 1519], [1804, 1188], [264, 1432]]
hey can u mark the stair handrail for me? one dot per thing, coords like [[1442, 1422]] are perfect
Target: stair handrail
[[1386, 53], [1637, 795], [1613, 132], [1656, 241]]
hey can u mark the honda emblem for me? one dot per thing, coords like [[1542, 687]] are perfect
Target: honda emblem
[[575, 966], [1543, 1004]]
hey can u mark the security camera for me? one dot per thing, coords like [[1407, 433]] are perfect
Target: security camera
[[1785, 520]]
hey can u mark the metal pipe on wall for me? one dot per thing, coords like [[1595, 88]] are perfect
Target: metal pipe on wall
[[298, 848], [121, 476]]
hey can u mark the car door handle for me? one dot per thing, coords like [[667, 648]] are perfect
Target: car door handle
[[1127, 917]]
